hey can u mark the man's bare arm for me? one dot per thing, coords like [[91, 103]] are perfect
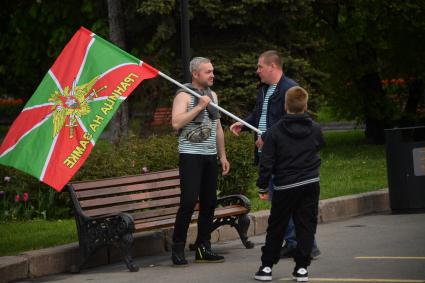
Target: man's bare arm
[[180, 117]]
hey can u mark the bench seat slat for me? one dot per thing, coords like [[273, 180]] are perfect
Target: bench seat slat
[[132, 206], [158, 211], [156, 218], [230, 210], [128, 189], [155, 212], [141, 225], [84, 185], [217, 212], [129, 197]]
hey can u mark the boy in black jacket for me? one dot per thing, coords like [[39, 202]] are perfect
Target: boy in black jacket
[[290, 154]]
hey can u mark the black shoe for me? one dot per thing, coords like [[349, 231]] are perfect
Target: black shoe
[[287, 251], [315, 253], [177, 255], [263, 274], [205, 254], [300, 274]]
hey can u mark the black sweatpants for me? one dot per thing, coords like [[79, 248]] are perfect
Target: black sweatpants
[[302, 203], [198, 179]]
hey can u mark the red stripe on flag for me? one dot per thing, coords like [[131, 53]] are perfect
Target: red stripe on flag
[[149, 71], [24, 123], [122, 81], [67, 151], [68, 63]]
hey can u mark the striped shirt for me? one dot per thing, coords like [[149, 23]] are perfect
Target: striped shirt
[[206, 147], [262, 125]]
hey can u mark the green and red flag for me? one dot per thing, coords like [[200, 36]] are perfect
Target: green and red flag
[[58, 127]]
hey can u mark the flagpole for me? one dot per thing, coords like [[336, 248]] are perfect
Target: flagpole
[[211, 103]]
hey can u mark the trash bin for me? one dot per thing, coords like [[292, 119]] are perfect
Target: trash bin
[[405, 148]]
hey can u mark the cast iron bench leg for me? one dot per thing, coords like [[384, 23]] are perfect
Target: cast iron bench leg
[[242, 228], [125, 245], [85, 253]]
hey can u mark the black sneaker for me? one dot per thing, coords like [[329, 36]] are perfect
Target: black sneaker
[[300, 274], [177, 254], [205, 254], [263, 274]]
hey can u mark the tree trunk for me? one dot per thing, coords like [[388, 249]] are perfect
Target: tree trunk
[[416, 92], [119, 125], [375, 119]]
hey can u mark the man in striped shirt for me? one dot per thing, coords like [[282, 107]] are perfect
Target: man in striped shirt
[[268, 110], [269, 106], [201, 143]]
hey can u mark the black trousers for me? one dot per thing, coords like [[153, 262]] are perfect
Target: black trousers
[[302, 203], [198, 179]]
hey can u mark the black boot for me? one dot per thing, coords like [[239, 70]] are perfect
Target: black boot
[[205, 254], [177, 254]]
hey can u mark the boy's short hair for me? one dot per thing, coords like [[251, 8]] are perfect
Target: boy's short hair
[[296, 99]]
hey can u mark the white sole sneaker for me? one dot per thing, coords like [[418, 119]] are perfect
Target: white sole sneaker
[[263, 278], [300, 279]]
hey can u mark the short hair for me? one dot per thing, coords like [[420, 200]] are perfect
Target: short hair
[[196, 61], [296, 99], [272, 56]]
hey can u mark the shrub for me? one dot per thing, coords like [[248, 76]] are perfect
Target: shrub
[[153, 153], [23, 197], [240, 153]]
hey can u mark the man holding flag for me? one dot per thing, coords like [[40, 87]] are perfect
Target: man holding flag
[[59, 126], [201, 139]]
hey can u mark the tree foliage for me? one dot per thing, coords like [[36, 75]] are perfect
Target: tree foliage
[[362, 57], [372, 54], [233, 35], [32, 35]]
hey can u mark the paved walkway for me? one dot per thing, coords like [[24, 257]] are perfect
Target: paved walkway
[[375, 248]]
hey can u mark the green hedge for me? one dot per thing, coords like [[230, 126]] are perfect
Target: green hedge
[[106, 160]]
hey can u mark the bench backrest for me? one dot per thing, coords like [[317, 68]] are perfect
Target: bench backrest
[[144, 196]]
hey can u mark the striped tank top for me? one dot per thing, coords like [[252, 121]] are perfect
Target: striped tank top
[[206, 147]]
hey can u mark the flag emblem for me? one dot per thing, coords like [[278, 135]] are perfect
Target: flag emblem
[[72, 104]]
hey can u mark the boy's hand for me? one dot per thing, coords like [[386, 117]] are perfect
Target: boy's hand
[[264, 196]]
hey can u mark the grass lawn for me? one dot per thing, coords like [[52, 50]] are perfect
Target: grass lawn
[[326, 115], [349, 166], [19, 236]]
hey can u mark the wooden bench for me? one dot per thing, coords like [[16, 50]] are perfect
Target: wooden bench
[[161, 116], [109, 211]]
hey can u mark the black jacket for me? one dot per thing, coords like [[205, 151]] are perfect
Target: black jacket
[[275, 107], [290, 152]]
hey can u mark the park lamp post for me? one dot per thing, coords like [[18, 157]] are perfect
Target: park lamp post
[[185, 39]]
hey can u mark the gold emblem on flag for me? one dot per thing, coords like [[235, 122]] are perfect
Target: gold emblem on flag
[[73, 103]]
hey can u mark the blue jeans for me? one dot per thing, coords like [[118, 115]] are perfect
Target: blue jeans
[[290, 236]]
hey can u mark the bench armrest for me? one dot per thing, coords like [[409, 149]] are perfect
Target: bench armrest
[[125, 218], [103, 230], [235, 199]]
